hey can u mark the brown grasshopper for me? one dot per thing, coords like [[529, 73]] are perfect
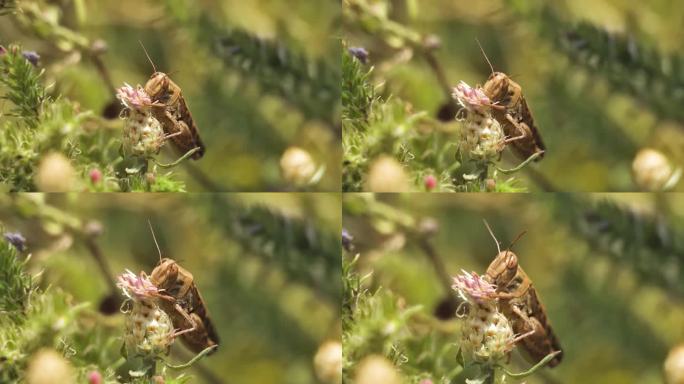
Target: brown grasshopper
[[510, 109], [170, 108], [521, 305], [182, 301]]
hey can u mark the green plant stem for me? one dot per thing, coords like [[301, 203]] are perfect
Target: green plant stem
[[192, 361]]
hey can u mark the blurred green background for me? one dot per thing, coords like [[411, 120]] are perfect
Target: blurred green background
[[245, 124], [267, 266], [608, 268], [594, 111]]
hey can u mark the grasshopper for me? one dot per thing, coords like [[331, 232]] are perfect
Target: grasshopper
[[170, 108], [522, 306], [183, 303], [510, 109]]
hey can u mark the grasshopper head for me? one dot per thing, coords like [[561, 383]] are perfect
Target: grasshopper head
[[496, 87], [503, 269], [165, 273], [157, 85]]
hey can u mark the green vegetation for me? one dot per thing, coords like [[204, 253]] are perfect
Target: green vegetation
[[602, 80], [258, 81], [267, 267], [607, 268]]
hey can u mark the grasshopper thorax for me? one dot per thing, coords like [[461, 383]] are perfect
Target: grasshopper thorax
[[503, 269]]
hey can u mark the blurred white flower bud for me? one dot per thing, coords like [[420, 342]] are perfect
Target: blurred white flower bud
[[387, 175], [674, 366], [55, 174], [328, 362], [375, 370], [49, 367], [651, 170], [297, 166]]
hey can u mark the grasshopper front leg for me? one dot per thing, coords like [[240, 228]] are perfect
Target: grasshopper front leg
[[533, 335], [191, 319], [521, 127]]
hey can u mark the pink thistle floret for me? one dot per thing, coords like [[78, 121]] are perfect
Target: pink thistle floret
[[135, 98], [469, 97], [136, 287], [471, 285]]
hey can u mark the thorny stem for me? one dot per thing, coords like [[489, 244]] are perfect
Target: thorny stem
[[439, 72], [438, 265], [96, 252], [104, 72], [408, 224], [418, 42], [76, 227]]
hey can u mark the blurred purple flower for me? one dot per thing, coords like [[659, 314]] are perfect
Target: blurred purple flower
[[360, 53], [32, 57], [16, 239], [347, 239], [3, 50]]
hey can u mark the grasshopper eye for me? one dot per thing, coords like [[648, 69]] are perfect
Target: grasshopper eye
[[512, 262]]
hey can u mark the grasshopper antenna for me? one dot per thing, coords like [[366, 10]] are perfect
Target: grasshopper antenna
[[483, 53], [498, 247], [516, 240], [151, 62], [155, 239]]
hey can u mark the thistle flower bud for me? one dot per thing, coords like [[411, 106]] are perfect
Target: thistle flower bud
[[94, 377], [55, 174], [143, 135], [482, 137], [148, 329], [328, 362], [387, 175], [47, 366], [376, 369], [430, 182], [486, 334], [297, 166], [95, 175], [651, 170]]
